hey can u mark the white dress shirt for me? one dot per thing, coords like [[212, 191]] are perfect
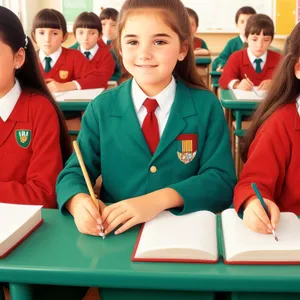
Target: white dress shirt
[[54, 56], [298, 105], [252, 58], [164, 99], [105, 39], [93, 51], [9, 101]]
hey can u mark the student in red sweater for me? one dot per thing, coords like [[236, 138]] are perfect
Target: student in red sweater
[[87, 30], [272, 147], [63, 69], [34, 142], [256, 62]]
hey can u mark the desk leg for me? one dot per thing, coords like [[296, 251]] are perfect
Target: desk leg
[[19, 291], [131, 294]]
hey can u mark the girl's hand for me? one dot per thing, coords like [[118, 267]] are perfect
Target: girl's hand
[[55, 86], [244, 85], [130, 212], [219, 69], [257, 219], [265, 85], [86, 215]]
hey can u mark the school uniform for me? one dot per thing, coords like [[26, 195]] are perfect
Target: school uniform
[[242, 62], [113, 145], [273, 161], [199, 43], [103, 60], [70, 65], [29, 149], [233, 45]]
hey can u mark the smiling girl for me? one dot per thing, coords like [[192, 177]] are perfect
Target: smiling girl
[[159, 140]]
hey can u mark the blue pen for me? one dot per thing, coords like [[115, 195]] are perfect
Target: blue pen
[[262, 202]]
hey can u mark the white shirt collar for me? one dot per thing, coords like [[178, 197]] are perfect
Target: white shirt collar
[[242, 38], [253, 57], [298, 104], [105, 39], [92, 50], [165, 98], [55, 56], [9, 101]]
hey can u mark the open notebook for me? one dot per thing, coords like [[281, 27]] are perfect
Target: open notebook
[[16, 223], [193, 238], [254, 95], [78, 95]]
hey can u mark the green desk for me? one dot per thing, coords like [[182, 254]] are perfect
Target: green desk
[[202, 60], [58, 254], [72, 106], [215, 76]]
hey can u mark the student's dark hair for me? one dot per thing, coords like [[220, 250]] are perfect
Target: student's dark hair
[[49, 18], [87, 20], [285, 88], [174, 14], [245, 10], [193, 14], [29, 75], [109, 13], [258, 23]]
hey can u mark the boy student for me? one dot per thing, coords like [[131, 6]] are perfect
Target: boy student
[[237, 43], [252, 66], [87, 30], [200, 47], [108, 18]]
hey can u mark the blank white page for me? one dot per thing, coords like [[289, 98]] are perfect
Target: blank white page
[[195, 231], [238, 238], [249, 95], [13, 217], [78, 95]]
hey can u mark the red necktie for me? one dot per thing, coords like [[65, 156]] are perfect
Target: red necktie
[[150, 125]]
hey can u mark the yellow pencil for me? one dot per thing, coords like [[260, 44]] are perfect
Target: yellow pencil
[[87, 180]]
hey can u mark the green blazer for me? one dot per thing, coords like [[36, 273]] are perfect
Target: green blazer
[[118, 69], [112, 144], [233, 45]]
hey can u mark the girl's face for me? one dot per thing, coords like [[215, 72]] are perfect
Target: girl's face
[[49, 39], [242, 22], [109, 28], [193, 25], [150, 52], [9, 62], [259, 44], [87, 37]]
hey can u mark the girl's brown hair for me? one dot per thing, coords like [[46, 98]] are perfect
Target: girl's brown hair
[[109, 13], [87, 20], [245, 10], [49, 18], [258, 23], [29, 75], [285, 88], [175, 15]]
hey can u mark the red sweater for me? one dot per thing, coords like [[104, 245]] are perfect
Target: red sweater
[[274, 162], [29, 169], [72, 65], [239, 64], [197, 42], [104, 63]]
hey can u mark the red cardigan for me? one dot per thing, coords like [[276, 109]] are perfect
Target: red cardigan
[[239, 64], [197, 42], [72, 65], [104, 63], [274, 162], [29, 170]]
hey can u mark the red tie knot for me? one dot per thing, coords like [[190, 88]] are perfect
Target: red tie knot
[[151, 105]]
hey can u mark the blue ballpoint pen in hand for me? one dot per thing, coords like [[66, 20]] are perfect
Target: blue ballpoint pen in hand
[[262, 202]]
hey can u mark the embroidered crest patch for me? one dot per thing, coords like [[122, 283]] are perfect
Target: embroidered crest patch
[[63, 74], [23, 137], [187, 145]]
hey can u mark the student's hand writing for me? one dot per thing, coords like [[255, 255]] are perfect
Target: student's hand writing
[[55, 86], [244, 85], [130, 212], [219, 69], [86, 216], [265, 85], [257, 219]]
